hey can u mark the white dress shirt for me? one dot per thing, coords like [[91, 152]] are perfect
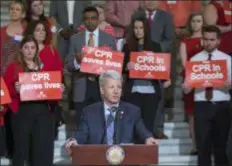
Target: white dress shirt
[[96, 43], [107, 110], [219, 94], [70, 9], [152, 16]]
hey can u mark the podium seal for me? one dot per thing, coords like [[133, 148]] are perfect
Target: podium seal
[[115, 155]]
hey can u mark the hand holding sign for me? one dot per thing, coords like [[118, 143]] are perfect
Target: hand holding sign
[[150, 65], [17, 86], [130, 65], [206, 74], [5, 96], [40, 86]]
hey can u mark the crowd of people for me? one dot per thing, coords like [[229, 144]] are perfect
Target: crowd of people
[[32, 42]]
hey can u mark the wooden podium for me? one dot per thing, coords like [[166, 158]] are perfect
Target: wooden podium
[[115, 155]]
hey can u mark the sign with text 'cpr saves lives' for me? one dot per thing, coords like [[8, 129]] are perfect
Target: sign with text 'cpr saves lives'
[[5, 96], [150, 65], [206, 74], [40, 86], [98, 60]]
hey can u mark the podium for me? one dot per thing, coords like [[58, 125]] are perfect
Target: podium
[[115, 155]]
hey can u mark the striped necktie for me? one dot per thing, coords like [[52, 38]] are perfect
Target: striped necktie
[[110, 128]]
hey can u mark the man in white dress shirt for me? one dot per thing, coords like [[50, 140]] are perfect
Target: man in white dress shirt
[[212, 106]]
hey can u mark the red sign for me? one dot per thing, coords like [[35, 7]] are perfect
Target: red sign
[[40, 86], [150, 65], [203, 74], [98, 60], [5, 96]]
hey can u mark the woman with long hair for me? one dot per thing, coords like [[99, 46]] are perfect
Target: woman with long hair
[[188, 48], [146, 94], [49, 56], [32, 121], [35, 12]]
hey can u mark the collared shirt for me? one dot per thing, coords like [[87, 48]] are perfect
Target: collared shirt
[[96, 43], [152, 16], [70, 8], [219, 94], [107, 110]]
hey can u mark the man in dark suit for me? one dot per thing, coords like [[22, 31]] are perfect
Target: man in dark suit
[[92, 37], [229, 143], [111, 121], [163, 32]]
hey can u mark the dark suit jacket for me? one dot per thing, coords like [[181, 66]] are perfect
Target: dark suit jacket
[[77, 42], [152, 46], [92, 129]]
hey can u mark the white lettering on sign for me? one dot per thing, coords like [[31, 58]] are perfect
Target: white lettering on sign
[[209, 76], [102, 53], [40, 76], [113, 64], [146, 59], [25, 87], [52, 85], [92, 60], [146, 67], [2, 93]]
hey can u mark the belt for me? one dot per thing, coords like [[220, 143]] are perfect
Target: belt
[[213, 102]]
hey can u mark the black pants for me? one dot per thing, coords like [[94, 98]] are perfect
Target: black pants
[[9, 134], [229, 146], [2, 142], [33, 131], [212, 122], [148, 104]]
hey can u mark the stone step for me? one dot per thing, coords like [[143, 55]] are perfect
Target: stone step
[[163, 160]]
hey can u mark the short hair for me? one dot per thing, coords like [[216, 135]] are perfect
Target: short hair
[[109, 74], [211, 29], [90, 9]]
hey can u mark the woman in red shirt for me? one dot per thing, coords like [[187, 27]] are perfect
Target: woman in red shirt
[[48, 55], [32, 121], [188, 48], [35, 12]]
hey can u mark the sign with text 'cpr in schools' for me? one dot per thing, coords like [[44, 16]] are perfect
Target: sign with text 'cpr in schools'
[[150, 65], [98, 60], [203, 74], [40, 86], [5, 96]]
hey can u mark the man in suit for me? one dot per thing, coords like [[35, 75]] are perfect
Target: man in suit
[[163, 32], [85, 86], [111, 121]]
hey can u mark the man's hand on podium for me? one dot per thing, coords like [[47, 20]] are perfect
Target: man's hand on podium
[[71, 142], [150, 141]]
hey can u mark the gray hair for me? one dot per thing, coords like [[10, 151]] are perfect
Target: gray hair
[[109, 74]]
